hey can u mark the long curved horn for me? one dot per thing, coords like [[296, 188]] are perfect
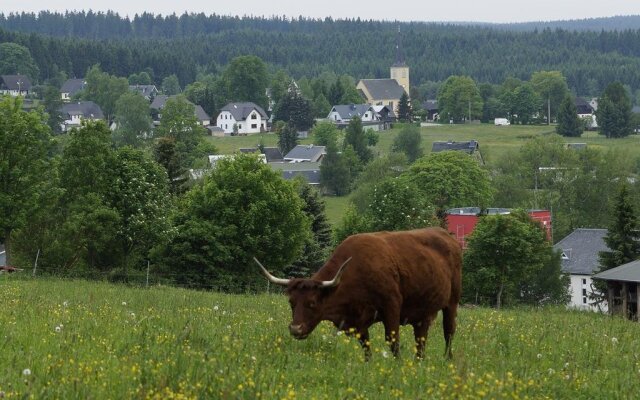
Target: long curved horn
[[336, 279], [271, 278]]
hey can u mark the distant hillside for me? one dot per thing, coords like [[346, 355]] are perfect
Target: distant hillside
[[189, 43], [617, 23]]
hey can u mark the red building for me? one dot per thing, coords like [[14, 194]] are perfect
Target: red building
[[462, 221]]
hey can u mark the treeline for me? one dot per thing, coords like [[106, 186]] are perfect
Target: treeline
[[185, 45]]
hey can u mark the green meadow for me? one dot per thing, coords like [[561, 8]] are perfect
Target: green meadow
[[86, 340], [494, 141]]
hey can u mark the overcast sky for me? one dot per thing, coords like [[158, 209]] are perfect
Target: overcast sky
[[403, 10]]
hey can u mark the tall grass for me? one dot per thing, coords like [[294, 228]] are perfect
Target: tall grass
[[76, 339]]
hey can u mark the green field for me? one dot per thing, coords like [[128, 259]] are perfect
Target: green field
[[84, 340], [494, 140]]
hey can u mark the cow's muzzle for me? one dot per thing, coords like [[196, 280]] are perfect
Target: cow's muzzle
[[297, 331]]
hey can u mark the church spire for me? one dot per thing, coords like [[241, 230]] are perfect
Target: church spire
[[399, 54]]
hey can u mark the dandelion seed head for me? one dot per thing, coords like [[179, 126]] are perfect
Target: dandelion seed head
[[124, 303], [614, 340], [539, 356], [58, 329], [26, 372]]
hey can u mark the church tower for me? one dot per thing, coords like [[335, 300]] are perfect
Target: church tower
[[400, 70]]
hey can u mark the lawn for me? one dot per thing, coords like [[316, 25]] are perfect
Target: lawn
[[80, 340]]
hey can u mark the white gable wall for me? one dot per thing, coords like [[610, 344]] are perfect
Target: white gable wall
[[253, 124], [580, 289], [225, 121]]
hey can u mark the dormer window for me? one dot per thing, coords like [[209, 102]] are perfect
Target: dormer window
[[254, 116], [564, 256]]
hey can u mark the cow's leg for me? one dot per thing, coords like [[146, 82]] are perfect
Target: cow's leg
[[391, 323], [449, 326], [420, 331], [364, 342]]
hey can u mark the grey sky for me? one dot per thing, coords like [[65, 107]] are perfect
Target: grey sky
[[403, 10]]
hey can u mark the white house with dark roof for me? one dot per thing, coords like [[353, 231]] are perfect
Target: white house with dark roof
[[71, 87], [305, 153], [243, 118], [344, 113], [15, 85], [74, 113], [580, 259], [160, 101]]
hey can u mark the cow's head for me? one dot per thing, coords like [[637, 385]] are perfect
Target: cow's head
[[307, 298]]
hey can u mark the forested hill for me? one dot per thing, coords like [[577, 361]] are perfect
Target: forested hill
[[617, 23], [303, 47]]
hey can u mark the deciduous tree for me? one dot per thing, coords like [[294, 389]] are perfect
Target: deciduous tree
[[509, 260], [409, 142], [133, 119], [451, 179], [24, 142], [459, 99], [552, 88], [242, 210]]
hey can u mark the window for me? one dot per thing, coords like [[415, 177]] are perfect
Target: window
[[565, 256], [584, 292], [254, 126], [254, 116], [584, 281], [584, 300]]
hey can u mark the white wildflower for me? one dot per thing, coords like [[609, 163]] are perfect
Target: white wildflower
[[58, 329], [385, 354], [65, 303], [215, 308], [551, 371], [26, 372], [124, 303], [614, 340], [539, 356]]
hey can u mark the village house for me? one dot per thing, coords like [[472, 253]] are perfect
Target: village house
[[160, 101], [74, 113], [149, 92], [242, 118], [580, 250], [305, 153], [471, 147], [15, 85], [71, 87]]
